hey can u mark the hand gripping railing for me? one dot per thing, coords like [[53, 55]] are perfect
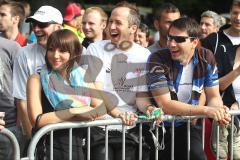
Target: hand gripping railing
[[188, 119]]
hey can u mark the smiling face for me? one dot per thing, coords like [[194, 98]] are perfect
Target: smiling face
[[182, 51], [93, 25], [57, 58], [119, 28], [63, 51], [43, 31], [141, 38], [235, 18]]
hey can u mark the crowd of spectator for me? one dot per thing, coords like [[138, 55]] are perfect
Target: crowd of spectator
[[85, 65]]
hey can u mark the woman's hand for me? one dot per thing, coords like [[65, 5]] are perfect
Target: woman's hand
[[128, 118], [85, 113]]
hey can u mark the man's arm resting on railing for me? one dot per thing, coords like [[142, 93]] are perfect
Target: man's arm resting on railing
[[217, 110], [173, 107]]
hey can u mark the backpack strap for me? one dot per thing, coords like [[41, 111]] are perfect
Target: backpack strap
[[215, 50]]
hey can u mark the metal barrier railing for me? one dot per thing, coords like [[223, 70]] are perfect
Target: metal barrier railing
[[13, 139], [70, 125]]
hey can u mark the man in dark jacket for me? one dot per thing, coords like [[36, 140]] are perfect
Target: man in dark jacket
[[224, 44]]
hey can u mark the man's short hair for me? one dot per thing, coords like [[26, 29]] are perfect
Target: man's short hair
[[16, 9], [189, 25], [216, 18], [144, 28], [165, 7], [134, 17], [99, 10], [235, 3]]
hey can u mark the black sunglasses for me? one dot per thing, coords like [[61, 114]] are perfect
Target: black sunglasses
[[178, 39], [41, 25]]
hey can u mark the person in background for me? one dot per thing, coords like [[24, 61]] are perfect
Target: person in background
[[142, 35], [25, 28], [228, 37], [93, 24], [163, 18], [224, 44], [210, 22], [11, 17], [229, 85], [8, 52], [73, 20], [82, 7], [30, 59]]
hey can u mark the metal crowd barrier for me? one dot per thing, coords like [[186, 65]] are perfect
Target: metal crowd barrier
[[13, 139], [71, 125]]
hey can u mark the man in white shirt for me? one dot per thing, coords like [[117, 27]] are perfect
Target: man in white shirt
[[121, 74]]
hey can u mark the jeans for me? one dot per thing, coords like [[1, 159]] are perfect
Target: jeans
[[6, 148]]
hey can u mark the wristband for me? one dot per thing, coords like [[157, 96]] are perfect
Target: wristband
[[156, 112]]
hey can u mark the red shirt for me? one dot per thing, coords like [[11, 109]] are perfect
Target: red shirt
[[21, 39]]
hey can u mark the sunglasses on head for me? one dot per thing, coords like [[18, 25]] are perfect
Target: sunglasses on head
[[179, 39], [41, 25]]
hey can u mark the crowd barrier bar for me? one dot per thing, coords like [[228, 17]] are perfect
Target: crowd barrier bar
[[15, 144], [70, 125]]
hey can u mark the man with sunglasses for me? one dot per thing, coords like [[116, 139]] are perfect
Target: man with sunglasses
[[176, 78], [45, 20]]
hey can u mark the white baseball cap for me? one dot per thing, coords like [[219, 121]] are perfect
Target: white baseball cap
[[46, 14]]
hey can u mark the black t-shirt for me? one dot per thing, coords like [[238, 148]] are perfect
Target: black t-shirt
[[61, 136]]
